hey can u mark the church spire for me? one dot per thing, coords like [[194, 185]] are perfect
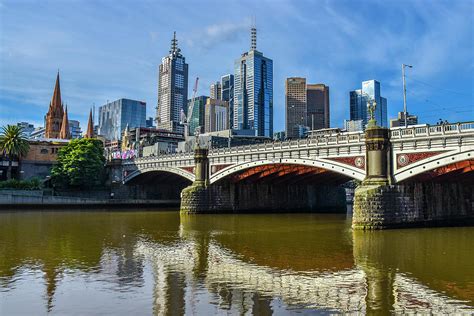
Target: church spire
[[65, 133], [90, 127], [54, 117], [56, 100]]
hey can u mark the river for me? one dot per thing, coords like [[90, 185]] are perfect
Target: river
[[161, 262]]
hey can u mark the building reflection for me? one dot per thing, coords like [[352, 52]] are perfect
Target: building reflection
[[246, 264]]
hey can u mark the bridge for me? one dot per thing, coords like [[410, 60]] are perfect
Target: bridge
[[398, 168], [430, 150]]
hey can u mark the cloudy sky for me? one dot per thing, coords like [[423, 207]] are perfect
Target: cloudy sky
[[107, 50]]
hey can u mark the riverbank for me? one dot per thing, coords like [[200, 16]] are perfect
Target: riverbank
[[23, 199]]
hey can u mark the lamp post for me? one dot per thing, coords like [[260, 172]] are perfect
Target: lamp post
[[405, 93]]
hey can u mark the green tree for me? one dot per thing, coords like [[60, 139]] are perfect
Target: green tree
[[13, 143], [80, 164]]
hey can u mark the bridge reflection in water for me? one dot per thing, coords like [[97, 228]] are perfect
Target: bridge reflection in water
[[165, 263]]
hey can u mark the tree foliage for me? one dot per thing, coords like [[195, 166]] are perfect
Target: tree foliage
[[80, 164], [13, 143]]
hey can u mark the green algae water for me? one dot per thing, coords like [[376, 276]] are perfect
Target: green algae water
[[154, 263]]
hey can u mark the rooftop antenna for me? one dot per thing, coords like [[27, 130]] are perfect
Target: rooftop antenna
[[174, 45], [253, 35]]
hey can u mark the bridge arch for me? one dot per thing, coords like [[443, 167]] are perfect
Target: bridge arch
[[176, 171], [426, 165], [325, 164]]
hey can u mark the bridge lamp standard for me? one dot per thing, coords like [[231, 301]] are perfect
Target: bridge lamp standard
[[405, 94]]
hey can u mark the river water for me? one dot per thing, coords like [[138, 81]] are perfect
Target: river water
[[147, 263]]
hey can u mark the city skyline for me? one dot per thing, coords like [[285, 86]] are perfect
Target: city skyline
[[90, 64]]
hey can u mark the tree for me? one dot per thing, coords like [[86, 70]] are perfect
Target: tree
[[13, 143], [80, 164]]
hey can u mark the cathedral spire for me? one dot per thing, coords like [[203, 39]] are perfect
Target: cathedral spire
[[54, 117], [56, 100], [65, 133], [90, 127]]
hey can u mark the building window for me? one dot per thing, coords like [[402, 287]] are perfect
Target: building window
[[44, 151]]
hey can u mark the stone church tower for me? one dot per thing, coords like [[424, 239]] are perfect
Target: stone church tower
[[56, 115]]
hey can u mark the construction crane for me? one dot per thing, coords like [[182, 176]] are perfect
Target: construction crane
[[185, 120]]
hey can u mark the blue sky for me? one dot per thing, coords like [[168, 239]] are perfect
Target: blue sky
[[106, 50]]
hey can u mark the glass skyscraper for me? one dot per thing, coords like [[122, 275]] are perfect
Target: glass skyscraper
[[358, 103], [253, 92], [172, 89], [197, 116], [115, 116], [227, 86]]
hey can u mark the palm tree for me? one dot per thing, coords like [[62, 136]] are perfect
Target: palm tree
[[13, 143]]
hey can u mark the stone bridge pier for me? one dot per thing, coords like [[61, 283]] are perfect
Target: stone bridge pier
[[379, 203]]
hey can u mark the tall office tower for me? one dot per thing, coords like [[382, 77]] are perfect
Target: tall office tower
[[172, 89], [358, 103], [115, 116], [216, 91], [317, 98], [296, 106], [227, 84], [216, 117], [197, 120], [253, 91]]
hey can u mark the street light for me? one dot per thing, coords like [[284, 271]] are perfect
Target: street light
[[405, 93]]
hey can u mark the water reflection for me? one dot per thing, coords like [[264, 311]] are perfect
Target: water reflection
[[164, 263]]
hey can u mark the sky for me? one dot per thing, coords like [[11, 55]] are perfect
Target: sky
[[106, 50]]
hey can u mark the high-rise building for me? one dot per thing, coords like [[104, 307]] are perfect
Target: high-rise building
[[307, 105], [358, 103], [317, 98], [253, 91], [115, 116], [216, 115], [197, 120], [216, 91], [27, 128], [296, 106], [75, 129], [54, 119], [149, 122], [354, 125], [400, 120], [172, 89], [227, 84]]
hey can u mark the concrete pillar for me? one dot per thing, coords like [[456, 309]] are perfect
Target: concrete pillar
[[201, 169], [371, 197], [377, 144]]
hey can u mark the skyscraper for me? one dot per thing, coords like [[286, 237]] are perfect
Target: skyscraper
[[358, 103], [227, 85], [197, 119], [172, 89], [296, 106], [253, 91], [216, 117], [115, 116], [216, 91], [317, 98], [307, 106]]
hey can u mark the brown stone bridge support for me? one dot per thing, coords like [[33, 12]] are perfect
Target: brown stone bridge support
[[430, 199]]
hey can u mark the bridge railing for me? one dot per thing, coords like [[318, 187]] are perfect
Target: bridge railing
[[341, 138], [428, 130]]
